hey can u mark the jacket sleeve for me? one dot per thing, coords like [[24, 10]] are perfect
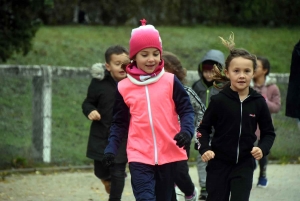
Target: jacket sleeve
[[274, 102], [267, 133], [198, 107], [120, 125], [205, 128], [183, 108], [91, 100]]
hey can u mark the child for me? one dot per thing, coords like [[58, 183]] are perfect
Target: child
[[234, 113], [154, 99], [266, 86], [173, 65], [98, 107], [205, 89]]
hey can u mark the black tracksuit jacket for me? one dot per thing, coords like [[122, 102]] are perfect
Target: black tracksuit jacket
[[235, 123]]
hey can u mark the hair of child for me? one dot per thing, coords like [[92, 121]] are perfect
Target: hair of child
[[116, 49], [174, 66], [265, 63], [220, 76]]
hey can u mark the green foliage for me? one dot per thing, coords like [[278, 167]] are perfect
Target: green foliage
[[180, 12], [84, 45], [19, 23]]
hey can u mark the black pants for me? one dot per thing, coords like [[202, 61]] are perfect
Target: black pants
[[263, 162], [115, 174], [152, 182], [226, 180]]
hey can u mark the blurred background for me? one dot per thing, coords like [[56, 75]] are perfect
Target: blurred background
[[41, 123]]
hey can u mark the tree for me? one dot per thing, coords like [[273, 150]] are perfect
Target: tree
[[19, 22]]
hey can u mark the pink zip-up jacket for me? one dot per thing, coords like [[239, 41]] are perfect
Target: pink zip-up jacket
[[272, 96], [154, 107]]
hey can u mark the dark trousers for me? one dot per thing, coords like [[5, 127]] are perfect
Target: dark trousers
[[226, 180], [263, 162], [114, 174], [152, 182]]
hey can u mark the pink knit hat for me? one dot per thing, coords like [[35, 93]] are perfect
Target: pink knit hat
[[143, 37]]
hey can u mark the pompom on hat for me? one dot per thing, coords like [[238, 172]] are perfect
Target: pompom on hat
[[145, 36]]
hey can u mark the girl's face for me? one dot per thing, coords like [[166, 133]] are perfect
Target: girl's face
[[240, 72], [148, 59], [260, 71]]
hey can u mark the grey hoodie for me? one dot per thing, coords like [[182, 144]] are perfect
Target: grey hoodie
[[199, 86]]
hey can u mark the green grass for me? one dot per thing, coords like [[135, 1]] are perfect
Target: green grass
[[84, 45]]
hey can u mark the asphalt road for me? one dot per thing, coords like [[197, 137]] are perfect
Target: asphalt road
[[284, 185]]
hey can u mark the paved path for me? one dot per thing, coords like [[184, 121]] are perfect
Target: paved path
[[284, 185]]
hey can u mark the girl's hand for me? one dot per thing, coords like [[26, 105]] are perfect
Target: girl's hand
[[208, 155], [94, 115], [257, 153]]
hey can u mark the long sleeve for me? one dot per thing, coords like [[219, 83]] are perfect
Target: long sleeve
[[183, 108], [91, 100], [120, 125], [267, 134], [205, 128], [274, 99], [198, 106]]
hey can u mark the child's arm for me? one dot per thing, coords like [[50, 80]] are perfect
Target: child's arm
[[205, 128], [274, 103], [183, 108], [198, 106], [120, 125], [91, 100], [267, 134]]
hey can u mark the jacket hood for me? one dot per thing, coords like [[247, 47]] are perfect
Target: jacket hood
[[212, 55], [269, 81], [98, 71], [234, 95]]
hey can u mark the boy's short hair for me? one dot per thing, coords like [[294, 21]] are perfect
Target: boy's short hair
[[116, 49]]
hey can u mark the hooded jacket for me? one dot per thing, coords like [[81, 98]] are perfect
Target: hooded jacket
[[271, 93], [101, 97], [235, 123], [201, 89]]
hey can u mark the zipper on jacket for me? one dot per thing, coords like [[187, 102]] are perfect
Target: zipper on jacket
[[151, 125], [238, 145], [207, 93]]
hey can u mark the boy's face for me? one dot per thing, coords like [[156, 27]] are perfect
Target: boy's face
[[208, 75], [148, 59], [259, 71], [114, 66]]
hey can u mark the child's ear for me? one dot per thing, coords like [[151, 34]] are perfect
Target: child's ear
[[107, 66], [226, 73]]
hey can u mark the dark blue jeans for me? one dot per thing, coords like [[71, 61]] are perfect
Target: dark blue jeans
[[152, 182], [114, 174]]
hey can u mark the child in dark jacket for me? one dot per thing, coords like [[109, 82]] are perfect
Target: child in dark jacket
[[98, 107], [234, 113]]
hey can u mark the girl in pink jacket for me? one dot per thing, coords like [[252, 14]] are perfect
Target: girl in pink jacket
[[147, 106], [266, 86]]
